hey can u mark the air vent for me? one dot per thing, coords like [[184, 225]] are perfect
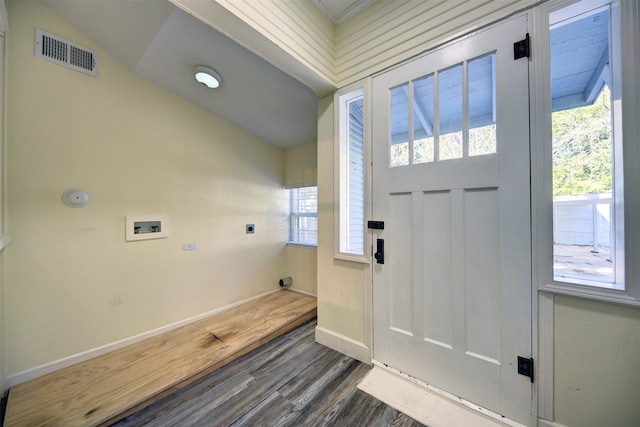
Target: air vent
[[63, 52]]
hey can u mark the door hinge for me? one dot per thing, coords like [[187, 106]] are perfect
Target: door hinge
[[525, 367], [376, 225], [522, 48]]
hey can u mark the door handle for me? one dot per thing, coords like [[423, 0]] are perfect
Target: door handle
[[379, 255]]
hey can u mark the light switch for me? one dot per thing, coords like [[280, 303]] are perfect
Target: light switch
[[189, 246]]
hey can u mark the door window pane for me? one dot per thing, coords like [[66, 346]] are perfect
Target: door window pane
[[399, 149], [423, 144], [450, 112], [482, 106]]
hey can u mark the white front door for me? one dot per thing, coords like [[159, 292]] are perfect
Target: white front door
[[452, 300]]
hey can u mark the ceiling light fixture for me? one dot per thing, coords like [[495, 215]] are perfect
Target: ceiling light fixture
[[208, 77]]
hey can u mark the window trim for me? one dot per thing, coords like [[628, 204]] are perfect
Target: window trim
[[340, 174], [541, 180]]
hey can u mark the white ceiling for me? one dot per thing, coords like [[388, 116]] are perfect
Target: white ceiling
[[163, 44]]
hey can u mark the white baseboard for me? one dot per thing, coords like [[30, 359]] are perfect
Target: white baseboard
[[343, 344], [47, 368], [309, 294], [547, 423]]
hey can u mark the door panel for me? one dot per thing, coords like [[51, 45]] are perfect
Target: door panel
[[452, 302]]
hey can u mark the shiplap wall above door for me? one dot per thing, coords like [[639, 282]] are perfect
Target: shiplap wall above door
[[300, 39], [389, 32]]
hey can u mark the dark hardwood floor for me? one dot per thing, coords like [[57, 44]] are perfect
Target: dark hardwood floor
[[290, 381]]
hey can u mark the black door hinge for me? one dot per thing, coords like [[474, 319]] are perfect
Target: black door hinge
[[376, 225], [525, 367], [522, 48]]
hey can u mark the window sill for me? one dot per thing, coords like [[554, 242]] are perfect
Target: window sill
[[591, 292], [351, 257], [302, 245]]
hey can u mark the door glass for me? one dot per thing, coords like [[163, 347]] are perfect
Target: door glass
[[450, 110], [482, 105], [399, 149], [423, 147]]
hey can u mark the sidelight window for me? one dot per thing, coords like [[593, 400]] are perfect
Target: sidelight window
[[588, 228]]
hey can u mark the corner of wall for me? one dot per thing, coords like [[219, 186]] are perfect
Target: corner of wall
[[3, 334]]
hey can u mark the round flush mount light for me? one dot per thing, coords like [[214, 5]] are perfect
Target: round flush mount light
[[208, 77], [76, 198]]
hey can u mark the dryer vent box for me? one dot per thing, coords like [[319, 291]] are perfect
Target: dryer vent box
[[145, 227]]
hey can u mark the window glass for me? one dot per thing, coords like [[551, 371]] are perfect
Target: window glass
[[354, 239], [423, 144], [303, 215], [586, 188], [450, 102], [482, 105], [399, 150]]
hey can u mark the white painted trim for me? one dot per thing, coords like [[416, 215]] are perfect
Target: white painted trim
[[426, 403], [546, 423], [47, 368], [544, 368], [343, 344], [299, 291]]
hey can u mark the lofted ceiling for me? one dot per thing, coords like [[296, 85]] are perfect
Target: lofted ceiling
[[339, 10], [163, 44]]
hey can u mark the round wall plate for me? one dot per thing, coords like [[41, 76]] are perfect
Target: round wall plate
[[76, 198]]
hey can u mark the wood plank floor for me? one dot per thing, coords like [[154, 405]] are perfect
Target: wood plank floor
[[291, 381], [106, 388]]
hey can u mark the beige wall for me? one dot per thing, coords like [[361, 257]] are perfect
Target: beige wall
[[301, 265], [3, 333], [301, 166], [301, 170], [73, 283], [597, 363], [341, 284]]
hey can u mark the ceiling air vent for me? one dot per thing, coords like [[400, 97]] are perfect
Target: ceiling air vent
[[63, 52]]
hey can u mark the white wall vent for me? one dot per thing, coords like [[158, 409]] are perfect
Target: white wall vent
[[63, 52]]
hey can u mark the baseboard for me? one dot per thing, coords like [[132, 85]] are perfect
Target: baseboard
[[47, 368], [547, 423], [343, 344], [309, 294]]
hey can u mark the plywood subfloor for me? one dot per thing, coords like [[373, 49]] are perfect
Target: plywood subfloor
[[109, 387]]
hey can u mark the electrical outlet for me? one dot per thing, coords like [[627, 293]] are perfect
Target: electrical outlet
[[189, 246]]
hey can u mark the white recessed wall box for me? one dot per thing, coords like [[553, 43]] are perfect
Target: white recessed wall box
[[146, 227]]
